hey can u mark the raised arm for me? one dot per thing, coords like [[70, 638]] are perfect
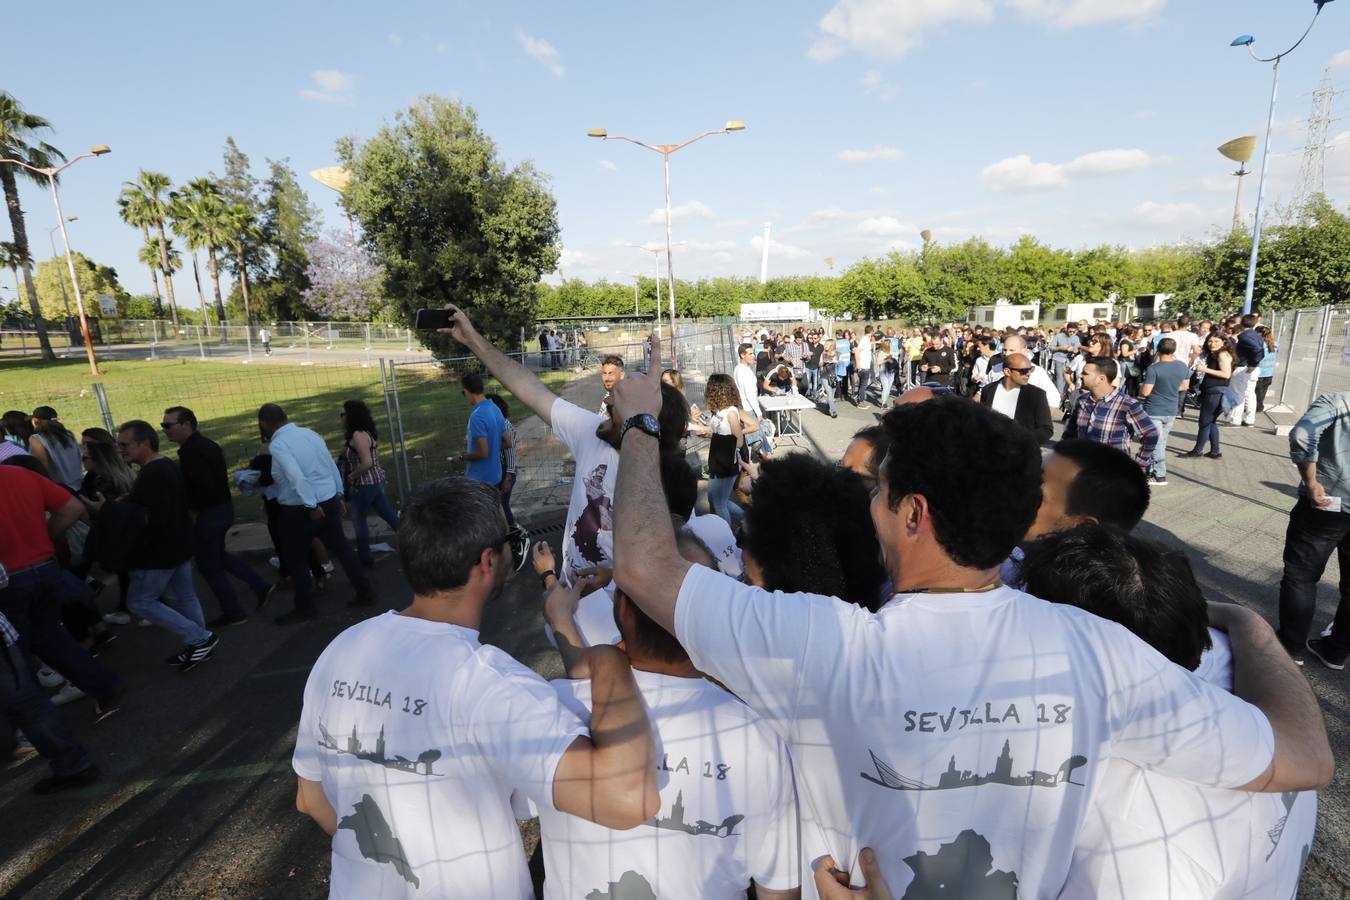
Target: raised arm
[[1265, 676], [611, 778], [514, 377], [647, 564]]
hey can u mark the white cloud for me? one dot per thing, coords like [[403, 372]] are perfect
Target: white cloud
[[1170, 215], [887, 29], [779, 250], [542, 52], [1078, 13], [885, 226], [877, 152], [874, 85], [606, 165], [330, 86], [1340, 60], [694, 209], [1020, 173], [394, 39], [569, 259]]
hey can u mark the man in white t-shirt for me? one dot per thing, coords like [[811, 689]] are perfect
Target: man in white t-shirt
[[414, 735], [960, 730], [1148, 835], [1188, 342], [592, 439], [728, 811]]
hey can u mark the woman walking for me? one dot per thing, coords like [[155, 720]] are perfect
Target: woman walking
[[365, 476], [1266, 373], [723, 401], [1216, 364], [55, 447]]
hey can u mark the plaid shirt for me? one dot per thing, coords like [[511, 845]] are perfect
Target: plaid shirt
[[8, 636], [795, 354], [1111, 420]]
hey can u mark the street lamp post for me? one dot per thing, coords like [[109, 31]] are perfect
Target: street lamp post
[[65, 298], [1247, 40], [51, 173], [665, 150]]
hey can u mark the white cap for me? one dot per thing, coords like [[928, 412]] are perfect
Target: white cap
[[716, 533]]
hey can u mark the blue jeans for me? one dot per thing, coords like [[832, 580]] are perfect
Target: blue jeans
[[215, 562], [179, 613], [1159, 464], [366, 497], [26, 705], [812, 383], [1057, 369], [864, 382], [719, 498], [32, 602], [887, 380]]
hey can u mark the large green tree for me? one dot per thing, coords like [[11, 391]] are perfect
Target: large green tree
[[449, 221], [289, 222], [19, 130], [239, 188], [148, 198], [52, 281]]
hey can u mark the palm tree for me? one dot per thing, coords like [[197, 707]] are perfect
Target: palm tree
[[150, 255], [239, 229], [151, 209], [200, 214], [10, 259], [18, 129], [136, 211]]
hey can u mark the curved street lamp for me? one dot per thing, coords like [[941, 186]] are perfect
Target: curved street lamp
[[665, 150], [1246, 40], [51, 172]]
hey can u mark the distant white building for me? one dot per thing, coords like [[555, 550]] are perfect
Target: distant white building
[[1076, 312], [1003, 315], [1147, 307]]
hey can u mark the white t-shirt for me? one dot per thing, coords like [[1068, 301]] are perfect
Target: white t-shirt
[[1005, 400], [720, 422], [728, 810], [419, 734], [959, 729], [1148, 835], [1041, 379], [863, 353], [1188, 343], [588, 531], [748, 386]]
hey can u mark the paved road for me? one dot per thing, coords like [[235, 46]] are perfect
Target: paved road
[[198, 798]]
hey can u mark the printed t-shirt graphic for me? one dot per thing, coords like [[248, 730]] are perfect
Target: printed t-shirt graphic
[[991, 712], [419, 735], [1148, 835], [728, 813], [588, 532]]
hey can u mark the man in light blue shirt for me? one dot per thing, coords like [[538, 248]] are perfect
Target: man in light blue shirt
[[309, 491], [483, 460]]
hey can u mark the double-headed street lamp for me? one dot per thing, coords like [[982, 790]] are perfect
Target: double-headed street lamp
[[51, 172], [1246, 40], [665, 150], [51, 238]]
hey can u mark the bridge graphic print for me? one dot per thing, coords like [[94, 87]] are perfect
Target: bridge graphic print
[[954, 778]]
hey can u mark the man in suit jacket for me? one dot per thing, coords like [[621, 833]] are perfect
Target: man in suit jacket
[[1013, 396]]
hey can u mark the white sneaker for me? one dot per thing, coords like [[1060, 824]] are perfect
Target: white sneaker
[[1326, 632], [49, 679], [68, 694], [274, 562], [117, 618], [329, 568]]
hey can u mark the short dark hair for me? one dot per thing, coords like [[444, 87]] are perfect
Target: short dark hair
[[500, 402], [357, 417], [810, 530], [743, 349], [472, 382], [980, 447], [1106, 365], [1250, 320], [1140, 584], [141, 431], [272, 414], [612, 360], [445, 528], [1166, 347], [880, 442], [1183, 321], [185, 415], [680, 483], [1110, 486]]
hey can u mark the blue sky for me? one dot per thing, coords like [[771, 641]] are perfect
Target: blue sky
[[1078, 121]]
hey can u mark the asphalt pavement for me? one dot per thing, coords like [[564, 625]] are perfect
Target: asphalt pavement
[[197, 798]]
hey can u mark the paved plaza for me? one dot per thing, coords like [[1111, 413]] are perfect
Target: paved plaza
[[198, 797]]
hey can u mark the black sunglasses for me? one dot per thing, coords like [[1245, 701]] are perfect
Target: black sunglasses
[[1027, 371]]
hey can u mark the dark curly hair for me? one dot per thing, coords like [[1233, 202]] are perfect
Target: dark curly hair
[[810, 530], [979, 471], [358, 418]]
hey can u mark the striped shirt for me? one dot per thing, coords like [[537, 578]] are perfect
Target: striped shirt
[[509, 453], [8, 636], [372, 476]]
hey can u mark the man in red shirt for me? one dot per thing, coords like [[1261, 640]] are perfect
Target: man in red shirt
[[37, 585]]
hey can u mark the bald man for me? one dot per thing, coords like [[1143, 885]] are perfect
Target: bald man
[[1015, 343], [1015, 397]]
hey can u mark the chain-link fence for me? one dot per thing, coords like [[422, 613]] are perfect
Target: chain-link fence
[[1313, 356]]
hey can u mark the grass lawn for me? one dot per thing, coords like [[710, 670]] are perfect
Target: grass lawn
[[226, 397]]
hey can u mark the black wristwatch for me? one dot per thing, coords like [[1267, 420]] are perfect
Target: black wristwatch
[[644, 422]]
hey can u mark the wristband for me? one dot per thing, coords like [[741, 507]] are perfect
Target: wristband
[[544, 576]]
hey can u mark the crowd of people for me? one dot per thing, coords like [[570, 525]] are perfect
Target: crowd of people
[[872, 678], [904, 673]]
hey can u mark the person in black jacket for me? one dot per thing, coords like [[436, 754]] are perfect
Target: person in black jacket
[[160, 561], [1013, 396]]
